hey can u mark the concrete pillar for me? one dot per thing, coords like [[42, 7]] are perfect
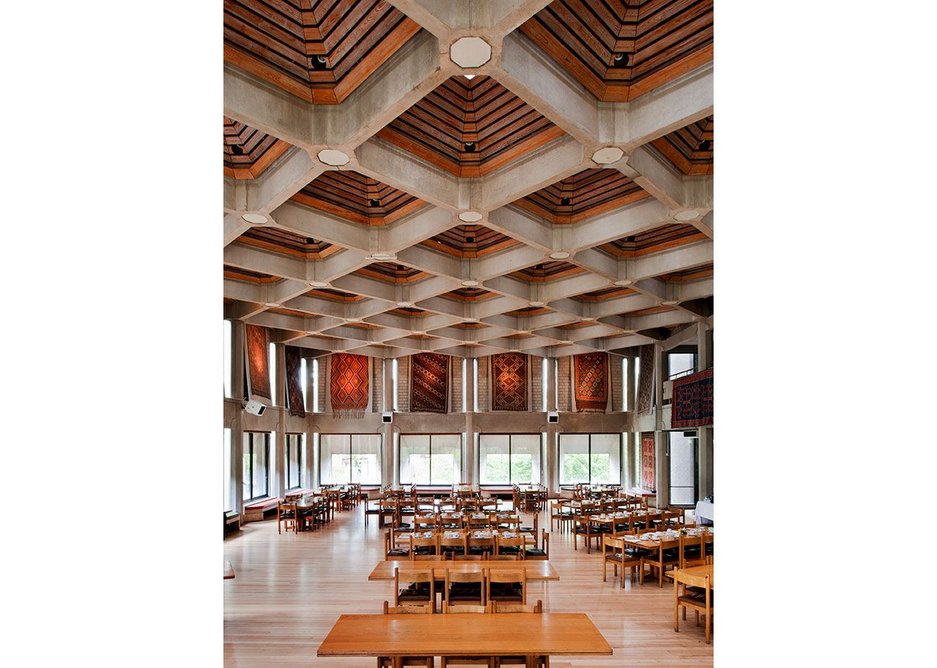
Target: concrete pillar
[[552, 477], [237, 434], [468, 462], [549, 384], [704, 483], [278, 480], [704, 357], [308, 472], [662, 475]]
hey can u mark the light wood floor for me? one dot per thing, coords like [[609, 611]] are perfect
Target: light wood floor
[[291, 588]]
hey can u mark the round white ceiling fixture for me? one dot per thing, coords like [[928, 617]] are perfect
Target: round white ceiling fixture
[[272, 304], [383, 257], [624, 282], [470, 216], [670, 302], [588, 318], [333, 157], [470, 52], [686, 215], [608, 155], [536, 303], [628, 332], [470, 319], [255, 218], [317, 284], [469, 283], [353, 319], [419, 332], [404, 304], [559, 255]]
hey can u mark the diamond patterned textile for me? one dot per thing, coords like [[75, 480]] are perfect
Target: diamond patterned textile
[[591, 370], [645, 379], [429, 383], [648, 471], [693, 400], [509, 382], [349, 389], [294, 385], [258, 367]]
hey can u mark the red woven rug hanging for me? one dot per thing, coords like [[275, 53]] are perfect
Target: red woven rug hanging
[[591, 381], [509, 382], [349, 389], [648, 468], [429, 383], [294, 383], [258, 366], [693, 400]]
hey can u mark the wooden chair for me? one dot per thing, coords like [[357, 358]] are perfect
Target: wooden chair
[[539, 552], [420, 589], [692, 550], [562, 518], [512, 608], [667, 554], [287, 514], [615, 551], [393, 552], [583, 527], [697, 599], [464, 588], [448, 661], [388, 662], [423, 522], [509, 547], [452, 546], [479, 546], [503, 521], [424, 547], [507, 586]]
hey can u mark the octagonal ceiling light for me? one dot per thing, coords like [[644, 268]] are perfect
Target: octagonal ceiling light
[[383, 257], [272, 304], [469, 283], [670, 302], [404, 304], [536, 303], [333, 157], [624, 282], [353, 319], [470, 216], [608, 155], [469, 318], [559, 255], [588, 318], [317, 284], [686, 215], [470, 52], [254, 218]]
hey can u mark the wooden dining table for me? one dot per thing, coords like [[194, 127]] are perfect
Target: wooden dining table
[[481, 635], [536, 570], [695, 576]]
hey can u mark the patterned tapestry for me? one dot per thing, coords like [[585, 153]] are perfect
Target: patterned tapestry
[[648, 479], [509, 382], [294, 382], [349, 389], [591, 382], [258, 366], [645, 379], [693, 400], [429, 383]]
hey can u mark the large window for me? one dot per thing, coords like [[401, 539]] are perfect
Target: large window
[[315, 386], [680, 364], [509, 459], [226, 348], [682, 468], [625, 394], [590, 458], [256, 464], [226, 457], [430, 459], [347, 458], [294, 460]]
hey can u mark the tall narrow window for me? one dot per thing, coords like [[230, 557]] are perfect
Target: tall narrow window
[[556, 380], [430, 459], [682, 451], [543, 383], [226, 456], [625, 387], [294, 461], [590, 458], [226, 347], [348, 458], [272, 365], [464, 382], [315, 385], [304, 385], [637, 375], [394, 380], [475, 376], [255, 465]]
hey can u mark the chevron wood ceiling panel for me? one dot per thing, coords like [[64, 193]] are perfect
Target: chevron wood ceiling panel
[[620, 51], [470, 127], [287, 243], [470, 241], [694, 274], [689, 149], [582, 196], [391, 273], [605, 294], [317, 50], [654, 241], [249, 152], [548, 271], [333, 295], [248, 276], [356, 197]]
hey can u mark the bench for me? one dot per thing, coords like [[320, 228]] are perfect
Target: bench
[[232, 522], [256, 510]]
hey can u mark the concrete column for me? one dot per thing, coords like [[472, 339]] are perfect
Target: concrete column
[[552, 477], [388, 382], [662, 475], [468, 465], [549, 384], [704, 358], [278, 446], [390, 467], [237, 433], [704, 482]]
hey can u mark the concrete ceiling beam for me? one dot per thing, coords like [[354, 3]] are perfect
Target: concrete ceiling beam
[[307, 222], [265, 262], [395, 167]]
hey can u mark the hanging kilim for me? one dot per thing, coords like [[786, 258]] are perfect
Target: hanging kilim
[[693, 400], [648, 479], [349, 390], [645, 378], [429, 383], [258, 366], [591, 380], [509, 382], [294, 382]]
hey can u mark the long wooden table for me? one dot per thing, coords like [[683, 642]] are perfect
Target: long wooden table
[[536, 569], [530, 635]]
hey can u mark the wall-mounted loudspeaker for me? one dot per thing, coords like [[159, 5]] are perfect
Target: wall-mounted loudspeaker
[[387, 417], [255, 407], [553, 417]]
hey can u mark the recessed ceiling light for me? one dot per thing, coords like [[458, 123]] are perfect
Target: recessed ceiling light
[[469, 283], [404, 304], [559, 255], [470, 52], [607, 155], [670, 302], [470, 216], [419, 332], [383, 257], [255, 218], [469, 76], [353, 319], [624, 282], [686, 215], [536, 303], [317, 284], [588, 318], [271, 304], [332, 157]]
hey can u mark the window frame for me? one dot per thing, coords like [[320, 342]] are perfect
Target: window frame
[[349, 436], [559, 458], [509, 435], [300, 457], [461, 436], [249, 453]]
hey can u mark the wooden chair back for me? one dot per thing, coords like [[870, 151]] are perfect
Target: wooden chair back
[[513, 585], [453, 546], [496, 606], [515, 545], [462, 595], [413, 594], [429, 546]]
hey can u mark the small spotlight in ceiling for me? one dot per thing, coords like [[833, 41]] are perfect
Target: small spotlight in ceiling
[[565, 201], [620, 60], [706, 145], [237, 150], [470, 147], [469, 240], [374, 203], [320, 63]]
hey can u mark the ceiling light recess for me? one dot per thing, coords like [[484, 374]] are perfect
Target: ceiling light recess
[[559, 255], [404, 304], [469, 283], [255, 218], [686, 215], [333, 157], [383, 257], [470, 52], [624, 282], [470, 216], [317, 284], [536, 303], [607, 155]]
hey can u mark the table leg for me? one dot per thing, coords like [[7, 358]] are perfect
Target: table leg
[[676, 620]]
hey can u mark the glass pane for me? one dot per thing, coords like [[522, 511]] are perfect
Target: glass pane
[[574, 458], [366, 459], [334, 459], [680, 363], [525, 459], [226, 457], [261, 453], [446, 466], [226, 348], [293, 460], [682, 469], [606, 459], [493, 463], [272, 365], [414, 459]]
